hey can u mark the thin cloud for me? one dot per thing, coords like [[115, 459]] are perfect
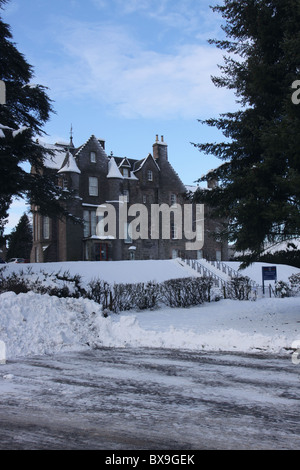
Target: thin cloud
[[189, 15], [107, 64]]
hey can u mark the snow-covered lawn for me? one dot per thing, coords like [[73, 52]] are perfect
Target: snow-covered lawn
[[111, 271], [139, 271], [42, 324]]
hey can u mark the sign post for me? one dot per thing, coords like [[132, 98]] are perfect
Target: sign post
[[269, 273]]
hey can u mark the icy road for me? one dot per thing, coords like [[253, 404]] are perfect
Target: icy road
[[130, 399]]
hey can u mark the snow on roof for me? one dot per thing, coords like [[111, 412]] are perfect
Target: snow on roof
[[138, 164], [69, 165], [125, 163], [56, 160], [98, 143], [104, 237], [191, 188], [131, 176], [142, 162], [287, 245], [113, 170], [61, 143]]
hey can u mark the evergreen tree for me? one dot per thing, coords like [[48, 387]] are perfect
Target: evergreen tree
[[259, 177], [26, 110], [20, 239]]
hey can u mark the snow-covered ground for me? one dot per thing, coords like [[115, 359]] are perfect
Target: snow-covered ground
[[111, 271], [41, 324], [139, 271]]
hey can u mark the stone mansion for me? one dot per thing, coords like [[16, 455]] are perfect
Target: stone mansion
[[96, 180]]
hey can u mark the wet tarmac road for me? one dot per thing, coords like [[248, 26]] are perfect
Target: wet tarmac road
[[132, 399]]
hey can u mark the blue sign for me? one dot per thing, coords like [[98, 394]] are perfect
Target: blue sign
[[269, 273]]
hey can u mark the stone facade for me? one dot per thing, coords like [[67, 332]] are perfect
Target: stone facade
[[99, 180]]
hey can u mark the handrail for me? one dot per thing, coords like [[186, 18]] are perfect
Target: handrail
[[230, 271], [225, 268], [219, 282], [203, 269]]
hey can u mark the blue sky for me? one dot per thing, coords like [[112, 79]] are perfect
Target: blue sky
[[125, 71]]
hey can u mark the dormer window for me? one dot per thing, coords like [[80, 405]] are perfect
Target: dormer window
[[93, 157], [125, 172], [150, 175]]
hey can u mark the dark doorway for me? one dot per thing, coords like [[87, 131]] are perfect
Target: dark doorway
[[101, 252]]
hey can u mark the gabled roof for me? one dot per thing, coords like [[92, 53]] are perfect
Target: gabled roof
[[129, 161], [124, 162], [139, 164], [96, 141]]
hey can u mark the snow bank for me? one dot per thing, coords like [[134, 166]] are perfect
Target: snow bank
[[111, 271], [39, 324], [269, 325], [140, 271], [254, 271], [34, 324]]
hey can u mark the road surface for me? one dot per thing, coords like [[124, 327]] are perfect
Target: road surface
[[133, 399]]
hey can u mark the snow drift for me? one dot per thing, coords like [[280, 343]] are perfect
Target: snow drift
[[39, 324], [35, 324]]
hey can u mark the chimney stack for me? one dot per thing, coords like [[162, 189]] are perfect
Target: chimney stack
[[160, 148]]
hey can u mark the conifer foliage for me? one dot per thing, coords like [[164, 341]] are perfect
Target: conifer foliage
[[22, 117], [259, 177], [20, 239]]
